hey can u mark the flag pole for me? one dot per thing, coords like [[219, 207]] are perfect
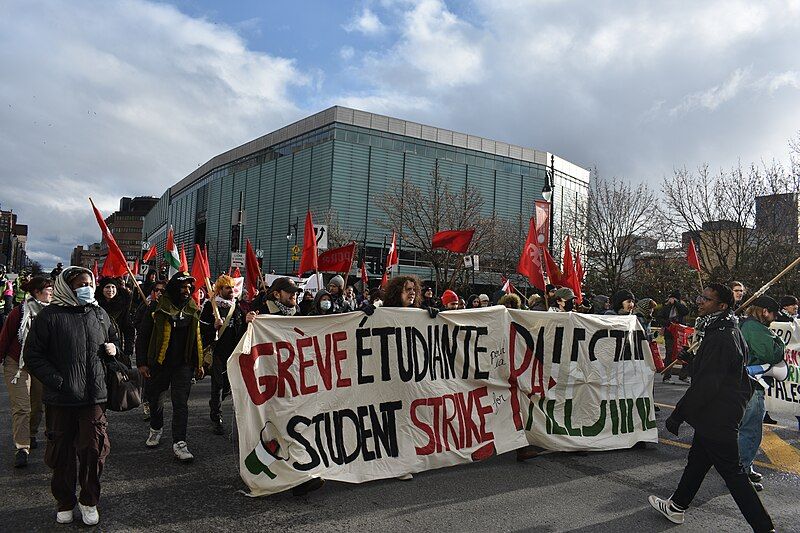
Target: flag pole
[[768, 284], [456, 271], [545, 277]]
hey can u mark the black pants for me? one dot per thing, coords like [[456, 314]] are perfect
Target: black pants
[[220, 386], [179, 381], [77, 447], [724, 456]]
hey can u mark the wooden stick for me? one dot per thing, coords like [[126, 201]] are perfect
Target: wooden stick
[[456, 271], [700, 278], [767, 285], [210, 292]]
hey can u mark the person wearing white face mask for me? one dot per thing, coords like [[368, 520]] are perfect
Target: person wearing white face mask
[[64, 349], [322, 304]]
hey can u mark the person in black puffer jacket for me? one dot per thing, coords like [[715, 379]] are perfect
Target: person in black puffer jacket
[[65, 350], [116, 301]]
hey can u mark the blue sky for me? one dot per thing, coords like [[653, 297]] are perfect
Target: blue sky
[[122, 98]]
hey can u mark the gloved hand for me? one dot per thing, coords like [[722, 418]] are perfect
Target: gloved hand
[[111, 349], [685, 355], [432, 311], [368, 308], [673, 425]]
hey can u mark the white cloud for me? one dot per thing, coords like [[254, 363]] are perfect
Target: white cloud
[[123, 107], [366, 22], [44, 257], [715, 96], [347, 53]]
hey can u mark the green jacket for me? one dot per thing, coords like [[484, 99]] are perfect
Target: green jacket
[[765, 347], [156, 331]]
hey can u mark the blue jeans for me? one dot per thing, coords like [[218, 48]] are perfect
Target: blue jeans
[[750, 429]]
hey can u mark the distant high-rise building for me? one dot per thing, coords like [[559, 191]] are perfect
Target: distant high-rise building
[[779, 214], [126, 225]]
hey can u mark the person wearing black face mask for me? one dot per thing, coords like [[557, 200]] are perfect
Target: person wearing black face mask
[[169, 353], [564, 300]]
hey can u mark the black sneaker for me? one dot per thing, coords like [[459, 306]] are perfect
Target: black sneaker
[[754, 476], [309, 486], [769, 420], [34, 443], [758, 486], [21, 459]]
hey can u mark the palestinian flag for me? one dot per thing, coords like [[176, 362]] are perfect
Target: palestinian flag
[[171, 254], [261, 457]]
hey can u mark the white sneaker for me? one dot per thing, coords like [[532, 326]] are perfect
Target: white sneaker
[[153, 438], [405, 477], [181, 451], [64, 517], [89, 514], [664, 507]]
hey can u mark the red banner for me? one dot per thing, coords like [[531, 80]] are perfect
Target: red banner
[[337, 259], [682, 335], [542, 216], [456, 241]]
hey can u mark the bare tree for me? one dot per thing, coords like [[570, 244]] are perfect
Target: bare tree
[[338, 235], [416, 214], [616, 217]]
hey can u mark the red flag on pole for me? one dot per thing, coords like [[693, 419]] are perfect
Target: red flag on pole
[[364, 277], [507, 287], [385, 279], [206, 264], [199, 274], [115, 264], [570, 277], [529, 261], [135, 270], [150, 254], [95, 271], [393, 258], [184, 262], [236, 273], [691, 256], [308, 259], [456, 241], [253, 271], [554, 273], [337, 259]]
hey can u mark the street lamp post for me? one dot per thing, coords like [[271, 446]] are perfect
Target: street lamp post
[[289, 234], [547, 194]]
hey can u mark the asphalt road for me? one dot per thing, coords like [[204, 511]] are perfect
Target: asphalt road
[[147, 489]]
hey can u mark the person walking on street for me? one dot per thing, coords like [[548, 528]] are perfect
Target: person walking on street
[[764, 348], [156, 290], [673, 311], [66, 348], [714, 405], [116, 301], [222, 335], [169, 353], [24, 390]]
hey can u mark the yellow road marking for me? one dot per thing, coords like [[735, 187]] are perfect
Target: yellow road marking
[[782, 454], [762, 464]]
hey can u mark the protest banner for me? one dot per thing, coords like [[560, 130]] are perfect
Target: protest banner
[[356, 398], [783, 397]]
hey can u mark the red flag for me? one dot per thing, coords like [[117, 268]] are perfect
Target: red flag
[[554, 273], [364, 277], [206, 265], [184, 262], [135, 271], [337, 259], [150, 254], [236, 273], [95, 271], [199, 274], [385, 279], [253, 272], [115, 264], [571, 278], [454, 240], [393, 258], [308, 259], [529, 262], [691, 256]]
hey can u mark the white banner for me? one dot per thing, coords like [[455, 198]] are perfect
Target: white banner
[[356, 398], [784, 396]]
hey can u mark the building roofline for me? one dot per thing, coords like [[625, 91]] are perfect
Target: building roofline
[[356, 117]]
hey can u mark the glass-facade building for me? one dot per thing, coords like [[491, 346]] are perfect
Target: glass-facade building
[[339, 160]]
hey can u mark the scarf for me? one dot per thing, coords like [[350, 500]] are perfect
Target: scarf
[[222, 302], [63, 295], [30, 309], [166, 312], [284, 310]]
